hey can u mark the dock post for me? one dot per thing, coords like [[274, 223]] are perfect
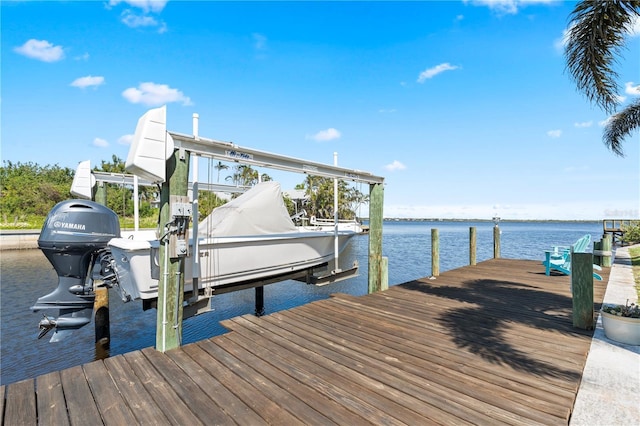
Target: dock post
[[582, 290], [101, 319], [260, 301], [435, 253], [384, 273], [496, 242], [597, 250], [606, 242], [171, 280], [473, 241], [376, 199]]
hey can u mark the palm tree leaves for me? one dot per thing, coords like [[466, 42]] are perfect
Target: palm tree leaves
[[595, 38], [620, 125]]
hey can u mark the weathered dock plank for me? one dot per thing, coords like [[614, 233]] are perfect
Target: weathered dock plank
[[81, 406], [114, 410], [52, 409], [21, 404], [485, 344]]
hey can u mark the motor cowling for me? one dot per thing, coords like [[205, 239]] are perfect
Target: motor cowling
[[74, 234]]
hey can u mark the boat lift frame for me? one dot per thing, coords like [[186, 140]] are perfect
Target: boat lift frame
[[163, 157]]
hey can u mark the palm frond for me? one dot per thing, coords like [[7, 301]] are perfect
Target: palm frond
[[596, 36], [621, 125]]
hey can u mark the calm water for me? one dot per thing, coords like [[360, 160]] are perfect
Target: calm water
[[27, 275]]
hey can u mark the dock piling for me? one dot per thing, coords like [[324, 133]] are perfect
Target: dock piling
[[435, 253], [582, 290], [473, 241]]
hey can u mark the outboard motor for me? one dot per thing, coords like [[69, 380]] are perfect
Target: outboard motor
[[74, 235]]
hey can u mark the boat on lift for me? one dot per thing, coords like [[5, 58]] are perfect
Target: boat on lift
[[247, 240]]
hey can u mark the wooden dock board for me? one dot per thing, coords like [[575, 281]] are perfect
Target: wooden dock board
[[485, 344]]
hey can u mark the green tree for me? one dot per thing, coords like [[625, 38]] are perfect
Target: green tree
[[120, 197], [220, 166], [321, 203], [596, 36], [245, 175], [30, 189]]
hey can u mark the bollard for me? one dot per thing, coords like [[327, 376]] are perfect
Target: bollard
[[582, 290], [435, 253], [496, 242], [472, 245]]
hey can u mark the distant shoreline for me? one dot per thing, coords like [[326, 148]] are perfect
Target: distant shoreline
[[393, 219], [26, 239]]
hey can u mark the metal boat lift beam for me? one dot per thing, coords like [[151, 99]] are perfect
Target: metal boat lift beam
[[228, 151], [128, 179]]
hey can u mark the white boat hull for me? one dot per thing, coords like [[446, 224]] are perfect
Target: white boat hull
[[224, 261]]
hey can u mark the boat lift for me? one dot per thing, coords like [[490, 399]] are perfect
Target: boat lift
[[159, 156]]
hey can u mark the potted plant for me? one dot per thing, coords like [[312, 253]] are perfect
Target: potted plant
[[622, 323]]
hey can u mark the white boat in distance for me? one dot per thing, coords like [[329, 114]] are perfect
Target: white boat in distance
[[328, 225], [250, 238]]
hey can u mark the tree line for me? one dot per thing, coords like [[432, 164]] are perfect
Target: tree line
[[29, 191]]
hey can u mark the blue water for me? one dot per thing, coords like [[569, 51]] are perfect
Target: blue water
[[27, 275]]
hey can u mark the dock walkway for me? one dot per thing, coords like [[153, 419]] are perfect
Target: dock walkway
[[486, 344]]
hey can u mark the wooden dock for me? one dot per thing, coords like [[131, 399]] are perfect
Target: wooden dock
[[486, 344], [616, 228]]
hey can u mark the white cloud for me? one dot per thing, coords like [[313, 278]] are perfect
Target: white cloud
[[155, 6], [583, 124], [132, 20], [83, 57], [630, 88], [125, 139], [88, 81], [432, 72], [326, 135], [508, 7], [41, 50], [395, 165], [152, 94], [101, 143], [260, 41], [554, 133], [387, 111], [604, 122]]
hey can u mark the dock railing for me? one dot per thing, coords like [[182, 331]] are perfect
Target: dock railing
[[616, 227]]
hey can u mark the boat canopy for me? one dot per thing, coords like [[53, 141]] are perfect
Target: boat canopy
[[258, 211]]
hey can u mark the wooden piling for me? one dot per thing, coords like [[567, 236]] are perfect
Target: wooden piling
[[171, 282], [582, 290], [597, 250], [259, 301], [384, 273], [473, 241], [496, 242], [376, 200], [607, 242], [435, 253], [101, 320]]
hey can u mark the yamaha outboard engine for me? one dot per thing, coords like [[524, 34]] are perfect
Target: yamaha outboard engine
[[74, 235]]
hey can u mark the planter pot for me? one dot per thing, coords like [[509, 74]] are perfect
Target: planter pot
[[621, 329]]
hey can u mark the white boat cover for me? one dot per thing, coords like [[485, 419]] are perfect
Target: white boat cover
[[258, 211]]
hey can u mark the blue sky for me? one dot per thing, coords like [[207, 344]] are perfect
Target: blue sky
[[463, 106]]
